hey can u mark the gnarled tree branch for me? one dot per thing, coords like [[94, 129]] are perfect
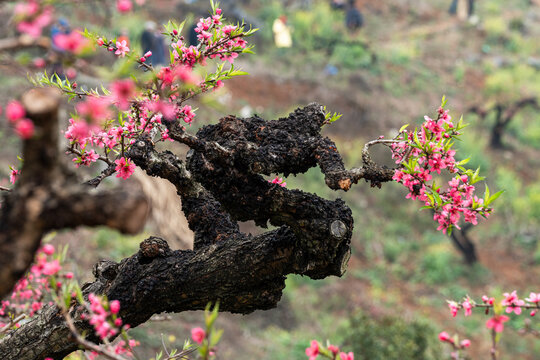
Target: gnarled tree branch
[[220, 183]]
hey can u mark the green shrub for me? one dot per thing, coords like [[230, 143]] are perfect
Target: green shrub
[[351, 55], [390, 338], [439, 266]]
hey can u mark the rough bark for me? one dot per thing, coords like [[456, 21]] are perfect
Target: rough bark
[[220, 183]]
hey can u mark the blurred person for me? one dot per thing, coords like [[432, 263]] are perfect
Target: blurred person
[[192, 35], [337, 4], [159, 53], [152, 40], [464, 9], [282, 33], [147, 36], [61, 27], [353, 18]]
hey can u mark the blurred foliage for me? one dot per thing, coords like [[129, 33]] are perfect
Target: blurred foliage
[[439, 266], [389, 338], [510, 84], [115, 245]]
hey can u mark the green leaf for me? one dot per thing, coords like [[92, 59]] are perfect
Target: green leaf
[[437, 198], [486, 193], [239, 73], [443, 101], [80, 297], [63, 254], [403, 128], [216, 336], [416, 140], [494, 197], [335, 117]]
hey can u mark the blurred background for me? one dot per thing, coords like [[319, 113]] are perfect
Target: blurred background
[[381, 64]]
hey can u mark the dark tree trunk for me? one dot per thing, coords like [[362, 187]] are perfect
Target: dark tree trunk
[[498, 129], [46, 197], [464, 244], [496, 136]]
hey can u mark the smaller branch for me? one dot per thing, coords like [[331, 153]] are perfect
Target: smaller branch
[[78, 153], [165, 347], [511, 111], [182, 355], [104, 174], [210, 148], [7, 327], [3, 188], [85, 343], [145, 65], [378, 141]]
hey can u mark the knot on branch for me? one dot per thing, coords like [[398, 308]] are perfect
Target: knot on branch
[[105, 269], [153, 247]]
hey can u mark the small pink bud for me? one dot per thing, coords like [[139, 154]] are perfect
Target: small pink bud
[[100, 42], [443, 336], [74, 85], [14, 111], [198, 335], [24, 128], [148, 54], [39, 63], [143, 59], [114, 306], [48, 249], [334, 349], [175, 32]]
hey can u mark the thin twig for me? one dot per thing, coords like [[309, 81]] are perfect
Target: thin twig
[[165, 347], [78, 153], [378, 141], [85, 343], [183, 354], [11, 323]]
